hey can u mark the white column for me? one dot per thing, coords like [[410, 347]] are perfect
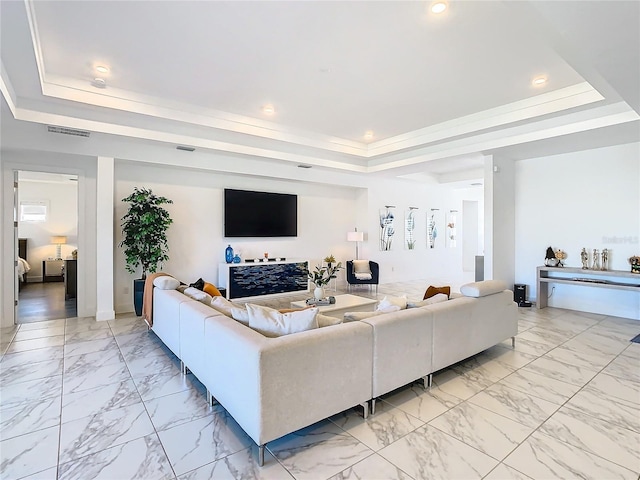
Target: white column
[[104, 239], [499, 205]]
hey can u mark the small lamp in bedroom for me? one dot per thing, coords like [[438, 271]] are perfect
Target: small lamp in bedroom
[[58, 242]]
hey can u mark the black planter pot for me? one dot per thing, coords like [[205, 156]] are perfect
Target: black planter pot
[[138, 295]]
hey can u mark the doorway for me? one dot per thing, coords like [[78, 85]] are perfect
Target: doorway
[[47, 242]]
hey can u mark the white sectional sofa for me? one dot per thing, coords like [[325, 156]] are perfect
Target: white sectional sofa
[[275, 386]]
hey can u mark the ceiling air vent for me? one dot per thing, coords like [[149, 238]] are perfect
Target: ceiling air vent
[[186, 149], [68, 131]]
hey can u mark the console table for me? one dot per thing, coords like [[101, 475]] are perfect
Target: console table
[[614, 279], [256, 279]]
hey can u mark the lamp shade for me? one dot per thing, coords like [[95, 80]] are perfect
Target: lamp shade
[[59, 240], [355, 236]]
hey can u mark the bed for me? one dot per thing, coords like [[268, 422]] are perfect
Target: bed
[[23, 264]]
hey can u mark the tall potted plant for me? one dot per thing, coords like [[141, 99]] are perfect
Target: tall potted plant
[[144, 229]]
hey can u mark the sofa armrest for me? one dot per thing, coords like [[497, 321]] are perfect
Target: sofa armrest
[[274, 386]]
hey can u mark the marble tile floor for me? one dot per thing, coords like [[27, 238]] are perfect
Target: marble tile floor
[[81, 399]]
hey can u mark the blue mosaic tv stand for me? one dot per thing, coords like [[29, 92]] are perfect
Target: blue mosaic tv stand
[[245, 280]]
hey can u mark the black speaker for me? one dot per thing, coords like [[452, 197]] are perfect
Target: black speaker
[[519, 293]]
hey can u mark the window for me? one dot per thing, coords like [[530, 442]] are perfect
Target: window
[[33, 211]]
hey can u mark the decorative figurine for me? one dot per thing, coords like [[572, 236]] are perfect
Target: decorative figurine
[[635, 264], [550, 259], [560, 255], [596, 260], [605, 259], [584, 256]]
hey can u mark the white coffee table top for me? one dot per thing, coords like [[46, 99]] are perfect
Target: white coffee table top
[[343, 302]]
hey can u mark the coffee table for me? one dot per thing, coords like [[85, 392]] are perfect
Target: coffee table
[[344, 303]]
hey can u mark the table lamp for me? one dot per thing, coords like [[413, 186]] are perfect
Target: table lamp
[[58, 242]]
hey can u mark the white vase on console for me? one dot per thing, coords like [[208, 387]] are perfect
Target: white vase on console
[[318, 293]]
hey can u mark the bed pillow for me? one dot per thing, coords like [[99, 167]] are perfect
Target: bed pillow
[[388, 301], [166, 282], [431, 291], [482, 289], [232, 310], [211, 289], [272, 323], [437, 298]]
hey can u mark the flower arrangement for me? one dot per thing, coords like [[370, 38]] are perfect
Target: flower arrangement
[[321, 276]]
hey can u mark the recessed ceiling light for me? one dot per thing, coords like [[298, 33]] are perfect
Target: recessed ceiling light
[[268, 109], [368, 135], [540, 80], [102, 69], [438, 7]]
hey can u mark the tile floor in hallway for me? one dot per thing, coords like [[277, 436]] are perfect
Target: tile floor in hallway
[[81, 399]]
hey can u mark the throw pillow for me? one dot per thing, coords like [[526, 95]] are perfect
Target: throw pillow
[[236, 311], [326, 320], [272, 323], [211, 289], [361, 266], [356, 316], [431, 291], [198, 295], [482, 289], [437, 298], [199, 284], [166, 283], [388, 301]]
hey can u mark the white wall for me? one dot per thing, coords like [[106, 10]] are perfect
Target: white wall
[[586, 199], [325, 214], [62, 219]]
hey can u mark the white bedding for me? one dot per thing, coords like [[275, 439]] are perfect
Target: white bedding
[[23, 267]]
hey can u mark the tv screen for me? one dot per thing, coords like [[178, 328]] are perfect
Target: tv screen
[[260, 214]]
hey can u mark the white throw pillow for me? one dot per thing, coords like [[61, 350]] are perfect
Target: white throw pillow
[[326, 320], [361, 266], [437, 298], [232, 310], [272, 323], [483, 288], [166, 283], [389, 301], [198, 295]]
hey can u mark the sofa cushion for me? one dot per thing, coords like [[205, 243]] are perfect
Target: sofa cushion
[[437, 298], [356, 316], [272, 323], [166, 283], [389, 301], [482, 289], [232, 310], [326, 320], [211, 289], [431, 291]]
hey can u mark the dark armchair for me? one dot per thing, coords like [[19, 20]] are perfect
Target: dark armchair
[[375, 275]]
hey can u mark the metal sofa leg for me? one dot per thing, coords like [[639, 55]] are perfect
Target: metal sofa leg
[[365, 407], [513, 342], [211, 400], [427, 381], [373, 406], [183, 368], [260, 455]]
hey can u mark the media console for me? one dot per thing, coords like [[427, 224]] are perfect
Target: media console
[[614, 279], [245, 280]]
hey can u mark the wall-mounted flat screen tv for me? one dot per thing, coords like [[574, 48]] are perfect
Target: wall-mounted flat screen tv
[[260, 214]]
